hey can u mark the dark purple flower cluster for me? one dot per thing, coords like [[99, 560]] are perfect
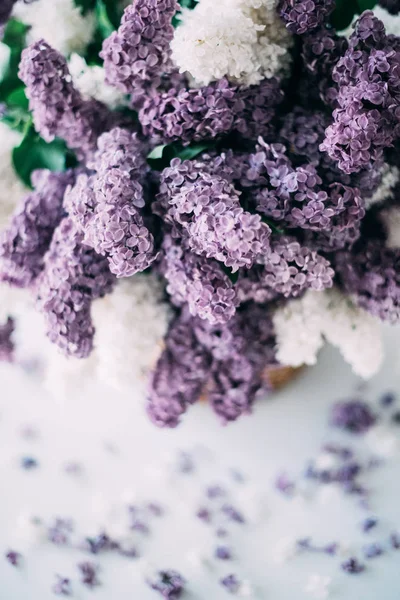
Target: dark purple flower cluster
[[58, 108], [169, 584], [136, 56], [205, 113], [371, 274], [302, 16], [321, 50], [107, 206], [25, 241], [226, 361], [73, 276], [367, 118], [353, 415], [6, 343], [6, 7]]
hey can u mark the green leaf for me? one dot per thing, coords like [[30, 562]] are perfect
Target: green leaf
[[343, 14], [157, 152], [366, 5], [85, 5], [34, 153], [18, 99], [189, 152], [14, 38], [104, 23]]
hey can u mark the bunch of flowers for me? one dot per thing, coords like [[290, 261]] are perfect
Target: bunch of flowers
[[214, 190]]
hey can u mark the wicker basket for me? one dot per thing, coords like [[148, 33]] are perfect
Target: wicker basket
[[277, 377]]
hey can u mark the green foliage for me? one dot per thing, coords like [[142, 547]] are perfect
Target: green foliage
[[85, 5], [14, 38], [34, 153]]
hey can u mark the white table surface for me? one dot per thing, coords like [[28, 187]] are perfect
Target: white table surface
[[125, 457]]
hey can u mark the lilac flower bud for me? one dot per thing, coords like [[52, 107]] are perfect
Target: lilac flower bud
[[199, 281], [58, 108], [27, 238], [138, 53], [302, 16], [73, 276], [204, 209], [6, 343], [180, 374]]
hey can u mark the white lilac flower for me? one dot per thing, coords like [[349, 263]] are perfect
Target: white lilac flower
[[318, 586], [243, 40], [59, 22], [90, 81], [11, 189], [302, 325], [390, 178], [391, 219], [130, 327]]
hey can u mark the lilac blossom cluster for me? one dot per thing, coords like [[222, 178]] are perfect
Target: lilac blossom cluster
[[239, 194], [302, 16], [107, 207], [57, 106], [367, 118]]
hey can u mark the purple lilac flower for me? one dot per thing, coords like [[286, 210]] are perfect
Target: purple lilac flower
[[62, 586], [138, 53], [392, 6], [371, 274], [287, 271], [373, 550], [369, 524], [58, 108], [169, 584], [231, 583], [367, 118], [192, 115], [232, 513], [28, 463], [7, 346], [395, 541], [297, 196], [180, 374], [73, 276], [285, 485], [59, 532], [240, 351], [387, 399], [89, 574], [352, 566], [321, 50], [352, 415], [223, 553], [199, 281], [204, 210], [100, 543], [26, 239], [14, 558], [107, 206], [302, 16]]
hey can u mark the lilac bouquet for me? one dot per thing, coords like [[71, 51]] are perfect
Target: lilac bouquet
[[214, 190]]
